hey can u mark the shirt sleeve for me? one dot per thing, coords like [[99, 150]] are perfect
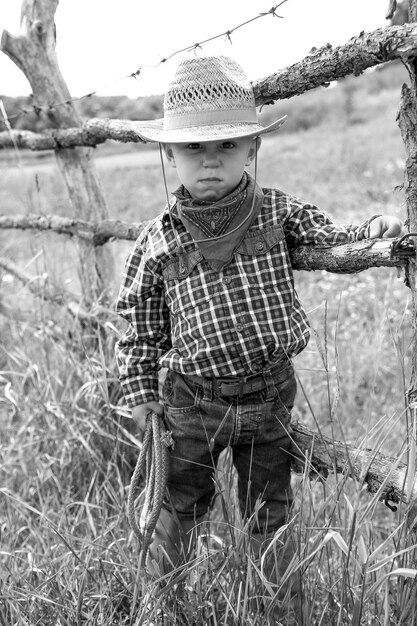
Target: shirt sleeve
[[306, 224], [141, 302]]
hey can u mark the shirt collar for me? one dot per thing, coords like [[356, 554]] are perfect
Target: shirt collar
[[172, 208]]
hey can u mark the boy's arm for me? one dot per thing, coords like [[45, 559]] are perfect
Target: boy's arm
[[141, 302], [306, 224]]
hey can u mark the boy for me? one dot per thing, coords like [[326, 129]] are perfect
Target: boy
[[208, 292]]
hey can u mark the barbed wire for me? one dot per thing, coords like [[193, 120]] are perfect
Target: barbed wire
[[38, 109]]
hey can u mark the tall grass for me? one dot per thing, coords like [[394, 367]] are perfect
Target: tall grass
[[68, 555]]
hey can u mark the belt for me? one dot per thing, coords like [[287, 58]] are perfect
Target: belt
[[238, 387]]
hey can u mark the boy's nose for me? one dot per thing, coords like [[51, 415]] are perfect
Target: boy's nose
[[211, 159]]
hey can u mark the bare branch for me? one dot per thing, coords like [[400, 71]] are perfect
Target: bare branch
[[319, 68], [347, 258], [98, 234], [90, 133], [383, 475], [33, 50], [328, 64], [41, 287], [344, 259], [38, 285]]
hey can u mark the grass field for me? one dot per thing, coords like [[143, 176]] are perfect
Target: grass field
[[68, 555]]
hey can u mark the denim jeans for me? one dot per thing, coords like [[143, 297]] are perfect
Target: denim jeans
[[257, 429]]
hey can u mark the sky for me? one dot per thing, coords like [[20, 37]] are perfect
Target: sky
[[101, 42]]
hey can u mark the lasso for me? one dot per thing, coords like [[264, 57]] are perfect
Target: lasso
[[152, 465]]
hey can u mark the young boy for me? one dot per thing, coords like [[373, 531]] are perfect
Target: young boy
[[208, 292]]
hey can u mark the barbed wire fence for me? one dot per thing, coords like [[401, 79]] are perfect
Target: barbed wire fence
[[227, 34], [321, 66]]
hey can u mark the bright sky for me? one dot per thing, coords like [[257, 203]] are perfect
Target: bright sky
[[99, 42]]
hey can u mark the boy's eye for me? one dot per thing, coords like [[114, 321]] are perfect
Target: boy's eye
[[193, 146], [228, 145]]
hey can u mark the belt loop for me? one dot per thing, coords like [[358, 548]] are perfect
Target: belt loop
[[208, 389], [241, 389], [269, 382]]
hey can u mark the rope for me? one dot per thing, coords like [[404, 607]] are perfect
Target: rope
[[152, 465]]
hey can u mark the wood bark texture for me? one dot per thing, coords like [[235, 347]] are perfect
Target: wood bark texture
[[42, 288], [90, 133], [327, 64], [344, 259], [383, 475], [407, 120], [319, 68], [33, 51]]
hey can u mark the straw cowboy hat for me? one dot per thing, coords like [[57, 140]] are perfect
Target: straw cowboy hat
[[208, 99]]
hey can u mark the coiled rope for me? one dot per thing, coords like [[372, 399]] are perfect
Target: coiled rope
[[152, 465]]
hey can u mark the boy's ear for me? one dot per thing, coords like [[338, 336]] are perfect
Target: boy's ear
[[169, 154], [253, 149]]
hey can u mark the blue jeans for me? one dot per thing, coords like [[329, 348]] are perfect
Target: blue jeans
[[257, 429]]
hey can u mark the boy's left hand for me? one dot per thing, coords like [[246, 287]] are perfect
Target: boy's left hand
[[386, 226]]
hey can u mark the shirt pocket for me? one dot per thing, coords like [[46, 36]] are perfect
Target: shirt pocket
[[263, 255], [186, 284], [261, 241]]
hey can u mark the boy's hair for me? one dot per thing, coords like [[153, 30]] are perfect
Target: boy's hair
[[209, 99]]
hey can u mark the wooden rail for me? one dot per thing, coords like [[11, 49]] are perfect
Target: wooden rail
[[383, 475], [319, 68], [346, 258]]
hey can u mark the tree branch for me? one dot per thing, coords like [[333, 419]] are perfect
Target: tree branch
[[98, 233], [33, 50], [344, 259], [326, 64], [41, 287], [91, 133], [319, 68], [383, 475]]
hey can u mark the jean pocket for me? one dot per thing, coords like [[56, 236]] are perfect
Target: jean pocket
[[178, 395], [285, 396]]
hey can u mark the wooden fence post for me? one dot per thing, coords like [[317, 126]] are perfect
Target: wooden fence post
[[33, 50], [407, 118]]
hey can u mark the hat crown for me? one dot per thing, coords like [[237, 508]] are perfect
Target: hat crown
[[209, 99], [208, 84]]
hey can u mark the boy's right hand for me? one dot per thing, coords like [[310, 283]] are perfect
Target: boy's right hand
[[140, 413]]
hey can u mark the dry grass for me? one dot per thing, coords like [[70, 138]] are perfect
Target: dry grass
[[68, 555]]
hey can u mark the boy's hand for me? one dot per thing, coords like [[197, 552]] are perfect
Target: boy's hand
[[386, 226], [140, 413]]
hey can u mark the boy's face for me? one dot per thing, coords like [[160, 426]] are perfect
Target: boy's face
[[210, 170]]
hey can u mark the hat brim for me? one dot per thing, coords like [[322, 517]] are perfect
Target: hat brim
[[153, 131]]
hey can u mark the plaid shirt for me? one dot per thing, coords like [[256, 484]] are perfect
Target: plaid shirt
[[236, 322]]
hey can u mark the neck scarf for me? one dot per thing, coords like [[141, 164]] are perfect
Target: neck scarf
[[218, 228]]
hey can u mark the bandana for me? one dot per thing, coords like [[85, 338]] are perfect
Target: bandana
[[218, 228]]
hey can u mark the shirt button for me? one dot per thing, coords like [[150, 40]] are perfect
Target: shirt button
[[260, 246], [255, 367], [239, 327], [227, 280]]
